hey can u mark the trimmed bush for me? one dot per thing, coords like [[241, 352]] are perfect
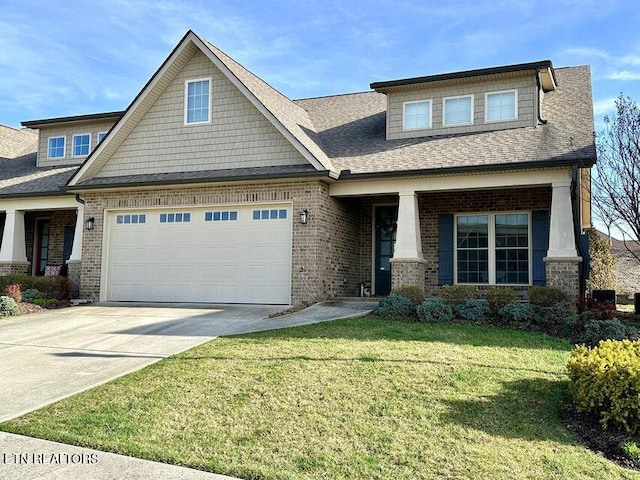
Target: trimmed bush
[[498, 297], [434, 310], [394, 305], [584, 328], [456, 295], [412, 292], [605, 381], [474, 309], [14, 292], [46, 285], [8, 307], [552, 315], [63, 289], [30, 295], [547, 296], [516, 314]]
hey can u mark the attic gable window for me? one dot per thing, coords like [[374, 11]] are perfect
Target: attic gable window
[[197, 97], [56, 147], [81, 145], [458, 110], [416, 115], [501, 106]]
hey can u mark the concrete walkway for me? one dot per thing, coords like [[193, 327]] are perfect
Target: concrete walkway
[[49, 356]]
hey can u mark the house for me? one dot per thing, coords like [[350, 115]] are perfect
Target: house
[[212, 186]]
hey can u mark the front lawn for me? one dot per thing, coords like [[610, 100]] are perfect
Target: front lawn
[[359, 399]]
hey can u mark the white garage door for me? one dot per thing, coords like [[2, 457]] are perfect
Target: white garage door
[[239, 254]]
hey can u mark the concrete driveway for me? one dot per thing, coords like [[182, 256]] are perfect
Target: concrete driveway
[[47, 356]]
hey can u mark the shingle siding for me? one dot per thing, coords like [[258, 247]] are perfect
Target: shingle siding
[[238, 135], [68, 131], [525, 86]]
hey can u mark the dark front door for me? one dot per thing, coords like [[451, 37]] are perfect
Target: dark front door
[[69, 233], [42, 245], [385, 218]]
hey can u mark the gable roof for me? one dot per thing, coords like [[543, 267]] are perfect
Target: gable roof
[[15, 142], [290, 120]]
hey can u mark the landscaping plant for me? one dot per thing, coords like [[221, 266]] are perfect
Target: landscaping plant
[[14, 292], [434, 310], [498, 297], [395, 305], [8, 307], [455, 295], [474, 309]]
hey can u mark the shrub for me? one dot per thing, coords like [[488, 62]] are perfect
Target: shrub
[[40, 301], [498, 297], [412, 292], [435, 310], [8, 307], [14, 292], [474, 309], [584, 328], [63, 288], [547, 296], [630, 450], [455, 295], [394, 305], [553, 315], [30, 295], [516, 314], [602, 272], [51, 303], [46, 285], [605, 381], [603, 311]]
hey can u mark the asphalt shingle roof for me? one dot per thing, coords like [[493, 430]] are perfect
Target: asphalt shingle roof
[[351, 129], [20, 177], [15, 142]]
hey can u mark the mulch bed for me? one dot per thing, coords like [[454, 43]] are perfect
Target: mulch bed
[[605, 443], [26, 308]]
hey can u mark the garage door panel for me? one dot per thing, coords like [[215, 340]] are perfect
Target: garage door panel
[[240, 261]]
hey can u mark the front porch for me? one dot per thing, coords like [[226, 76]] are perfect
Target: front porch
[[40, 233], [514, 236]]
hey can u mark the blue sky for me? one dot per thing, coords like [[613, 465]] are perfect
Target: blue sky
[[61, 58]]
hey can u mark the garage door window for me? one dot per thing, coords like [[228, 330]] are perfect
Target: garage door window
[[221, 216], [128, 219], [269, 214], [175, 217]]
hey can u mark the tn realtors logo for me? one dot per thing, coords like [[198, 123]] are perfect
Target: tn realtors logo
[[49, 458]]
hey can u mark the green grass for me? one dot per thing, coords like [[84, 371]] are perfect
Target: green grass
[[358, 399]]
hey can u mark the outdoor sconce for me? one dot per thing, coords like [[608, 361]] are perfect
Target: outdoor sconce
[[303, 216], [90, 221]]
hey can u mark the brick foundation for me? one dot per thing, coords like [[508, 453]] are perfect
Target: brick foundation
[[564, 274], [407, 273], [9, 268]]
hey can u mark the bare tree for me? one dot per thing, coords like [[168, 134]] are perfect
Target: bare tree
[[616, 182]]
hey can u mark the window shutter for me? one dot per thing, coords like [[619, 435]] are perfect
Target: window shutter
[[445, 249], [539, 245]]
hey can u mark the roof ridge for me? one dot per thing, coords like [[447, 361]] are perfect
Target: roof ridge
[[333, 95]]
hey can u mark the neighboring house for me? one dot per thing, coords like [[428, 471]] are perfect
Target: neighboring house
[[627, 265], [212, 186]]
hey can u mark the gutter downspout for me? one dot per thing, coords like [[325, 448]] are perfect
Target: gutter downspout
[[577, 229], [541, 120]]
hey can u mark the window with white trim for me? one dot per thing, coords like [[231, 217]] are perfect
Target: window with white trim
[[81, 145], [101, 135], [197, 97], [416, 115], [56, 147], [457, 110], [501, 106], [493, 249]]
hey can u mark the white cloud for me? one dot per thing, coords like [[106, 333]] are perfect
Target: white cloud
[[624, 75], [604, 106]]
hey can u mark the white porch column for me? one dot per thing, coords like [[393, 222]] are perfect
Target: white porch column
[[562, 242], [408, 243], [76, 252], [13, 248]]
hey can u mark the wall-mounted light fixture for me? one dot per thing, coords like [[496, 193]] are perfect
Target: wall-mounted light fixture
[[90, 221], [304, 214]]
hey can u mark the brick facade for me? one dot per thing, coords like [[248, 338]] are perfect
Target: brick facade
[[59, 219], [324, 251], [564, 274]]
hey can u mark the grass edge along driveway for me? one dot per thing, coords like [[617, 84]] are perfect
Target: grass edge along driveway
[[358, 398]]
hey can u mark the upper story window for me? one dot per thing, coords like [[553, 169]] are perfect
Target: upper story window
[[416, 115], [458, 110], [501, 106], [81, 145], [197, 101], [56, 147], [101, 135]]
